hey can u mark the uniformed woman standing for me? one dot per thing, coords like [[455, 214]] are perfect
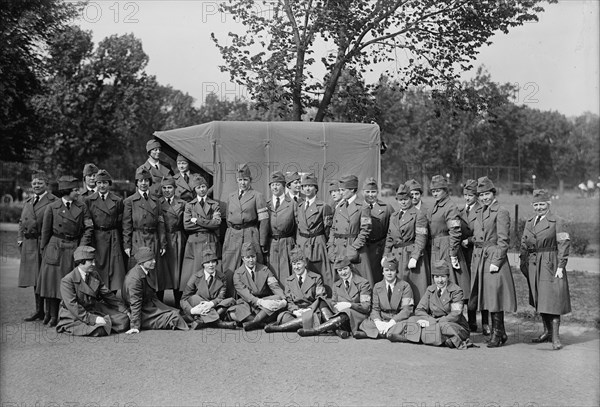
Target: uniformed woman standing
[[544, 253]]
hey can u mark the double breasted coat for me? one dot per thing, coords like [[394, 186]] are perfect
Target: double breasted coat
[[358, 295], [348, 236], [183, 190], [313, 223], [399, 307], [172, 261], [247, 221], [249, 291], [444, 230], [146, 310], [62, 231], [375, 247], [544, 248], [30, 230], [143, 226], [282, 236], [107, 216], [406, 239], [467, 223], [83, 301], [444, 313], [163, 170], [302, 297], [492, 291], [202, 234], [197, 291]]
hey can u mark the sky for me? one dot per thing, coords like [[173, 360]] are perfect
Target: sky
[[554, 62]]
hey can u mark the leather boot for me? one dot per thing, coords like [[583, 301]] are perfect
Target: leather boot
[[546, 336], [197, 324], [330, 325], [290, 326], [54, 303], [496, 339], [256, 323], [326, 313], [48, 315], [472, 318], [360, 335], [556, 345], [504, 337], [39, 310], [225, 325], [485, 324]]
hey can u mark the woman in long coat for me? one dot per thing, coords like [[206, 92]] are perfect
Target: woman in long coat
[[201, 221], [67, 224], [544, 254], [444, 229], [380, 222], [88, 307], [313, 219], [348, 307], [439, 318], [247, 222], [106, 210], [143, 223], [493, 286], [28, 239], [406, 242]]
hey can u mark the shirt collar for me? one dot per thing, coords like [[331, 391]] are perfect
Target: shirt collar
[[142, 192], [311, 201], [65, 201], [391, 285], [206, 275], [82, 273], [144, 270], [302, 276], [42, 194], [351, 199]]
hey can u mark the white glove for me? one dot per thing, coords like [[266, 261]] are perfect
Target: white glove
[[465, 243], [380, 325], [454, 261], [128, 252], [388, 325], [493, 268], [132, 331], [383, 259], [162, 252], [412, 263], [423, 322], [559, 272], [194, 220], [100, 321], [340, 306]]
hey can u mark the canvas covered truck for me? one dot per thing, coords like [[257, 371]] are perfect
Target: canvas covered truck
[[328, 150]]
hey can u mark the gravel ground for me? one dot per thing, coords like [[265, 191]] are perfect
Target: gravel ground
[[216, 368]]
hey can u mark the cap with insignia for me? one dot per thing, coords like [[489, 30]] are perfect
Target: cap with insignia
[[39, 174], [391, 264], [209, 255], [89, 169], [309, 179], [402, 191], [541, 195], [413, 185], [277, 176], [142, 173], [243, 171], [484, 184], [334, 185], [341, 262], [168, 180], [182, 158], [291, 177], [470, 187], [103, 175], [297, 254], [197, 180], [370, 184], [248, 250]]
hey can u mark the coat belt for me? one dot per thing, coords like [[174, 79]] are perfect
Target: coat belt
[[542, 249], [345, 235], [243, 225], [309, 235], [65, 236], [403, 244]]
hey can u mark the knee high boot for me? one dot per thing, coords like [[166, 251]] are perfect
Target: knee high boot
[[499, 336], [177, 298], [48, 313], [472, 318], [39, 310], [485, 322], [556, 345], [257, 322], [54, 304], [290, 326], [546, 336], [330, 325]]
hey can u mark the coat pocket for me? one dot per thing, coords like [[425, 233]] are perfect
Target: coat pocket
[[52, 254]]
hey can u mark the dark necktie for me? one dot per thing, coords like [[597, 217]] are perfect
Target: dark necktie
[[468, 209], [186, 178], [347, 284], [87, 278], [170, 201], [156, 166], [300, 281], [401, 214], [389, 293], [103, 197], [36, 199], [252, 274], [145, 195], [68, 206], [371, 205], [296, 199], [210, 280], [537, 220], [439, 293], [241, 193], [202, 202], [277, 203]]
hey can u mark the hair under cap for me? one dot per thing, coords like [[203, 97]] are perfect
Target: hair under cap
[[440, 268], [151, 145]]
